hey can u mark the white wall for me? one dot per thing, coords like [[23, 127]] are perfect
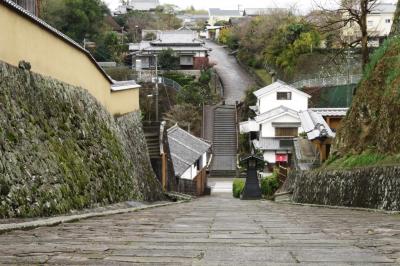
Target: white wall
[[192, 172], [299, 102], [377, 22], [269, 156], [204, 161], [268, 131]]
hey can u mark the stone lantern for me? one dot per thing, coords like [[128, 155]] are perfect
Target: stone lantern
[[252, 190]]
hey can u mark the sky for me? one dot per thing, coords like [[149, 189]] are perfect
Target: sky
[[302, 5]]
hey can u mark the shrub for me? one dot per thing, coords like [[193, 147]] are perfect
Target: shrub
[[168, 60], [237, 188], [269, 185], [180, 78]]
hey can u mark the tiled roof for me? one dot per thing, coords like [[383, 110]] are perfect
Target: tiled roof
[[330, 111], [381, 8], [177, 40], [177, 37], [185, 149], [224, 13], [275, 112], [315, 125], [124, 85], [16, 8], [270, 144], [278, 85]]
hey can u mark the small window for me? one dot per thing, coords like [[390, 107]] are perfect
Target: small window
[[284, 96], [387, 20], [198, 164], [286, 132]]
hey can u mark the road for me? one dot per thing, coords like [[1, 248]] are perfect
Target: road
[[216, 230], [235, 80]]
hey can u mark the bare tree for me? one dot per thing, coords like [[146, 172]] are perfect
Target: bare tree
[[350, 14]]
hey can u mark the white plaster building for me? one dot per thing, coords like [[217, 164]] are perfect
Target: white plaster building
[[189, 153], [137, 5], [379, 23], [277, 122]]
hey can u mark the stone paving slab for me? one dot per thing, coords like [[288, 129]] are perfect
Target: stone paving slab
[[215, 230]]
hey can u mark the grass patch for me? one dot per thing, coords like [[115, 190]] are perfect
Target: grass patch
[[263, 75], [269, 185], [237, 188], [365, 159]]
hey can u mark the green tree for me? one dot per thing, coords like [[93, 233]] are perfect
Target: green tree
[[168, 60], [78, 19], [110, 48], [290, 41], [192, 94]]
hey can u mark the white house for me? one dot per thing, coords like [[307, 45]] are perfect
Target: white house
[[137, 5], [189, 153], [277, 121], [379, 23], [186, 44], [216, 14]]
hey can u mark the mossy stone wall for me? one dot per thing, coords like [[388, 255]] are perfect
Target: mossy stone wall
[[61, 150], [370, 187]]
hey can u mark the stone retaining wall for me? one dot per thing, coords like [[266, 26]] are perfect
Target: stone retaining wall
[[61, 150], [376, 188]]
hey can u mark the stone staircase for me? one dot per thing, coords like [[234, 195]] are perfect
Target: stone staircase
[[224, 142]]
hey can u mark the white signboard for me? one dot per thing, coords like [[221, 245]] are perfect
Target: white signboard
[[138, 65]]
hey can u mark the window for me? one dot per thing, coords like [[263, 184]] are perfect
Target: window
[[387, 20], [284, 96], [199, 164], [286, 132]]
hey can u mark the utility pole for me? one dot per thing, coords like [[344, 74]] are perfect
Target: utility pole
[[156, 88]]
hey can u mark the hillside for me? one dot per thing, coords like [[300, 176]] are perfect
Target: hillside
[[373, 123], [61, 150]]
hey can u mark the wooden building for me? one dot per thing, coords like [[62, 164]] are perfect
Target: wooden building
[[190, 156]]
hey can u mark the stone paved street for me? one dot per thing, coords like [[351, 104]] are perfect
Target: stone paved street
[[216, 230]]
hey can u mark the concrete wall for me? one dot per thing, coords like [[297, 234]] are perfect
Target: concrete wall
[[123, 102], [376, 187], [22, 39], [269, 156]]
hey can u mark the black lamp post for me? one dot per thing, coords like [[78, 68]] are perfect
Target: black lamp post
[[252, 190]]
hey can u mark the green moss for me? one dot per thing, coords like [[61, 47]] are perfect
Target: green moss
[[365, 159], [11, 137], [65, 152], [263, 75]]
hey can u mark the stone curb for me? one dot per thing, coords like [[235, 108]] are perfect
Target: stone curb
[[340, 207], [73, 218]]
